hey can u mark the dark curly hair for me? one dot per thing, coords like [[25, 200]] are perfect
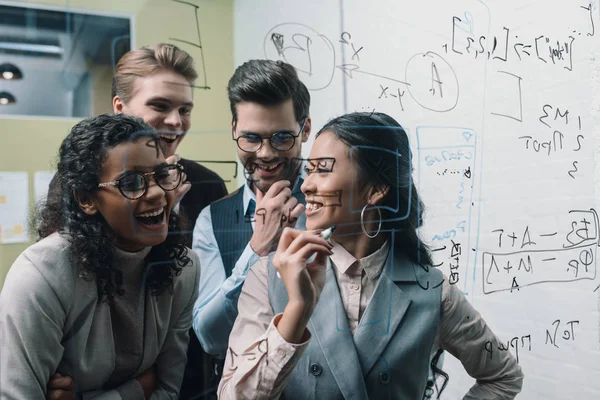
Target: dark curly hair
[[380, 147], [81, 158]]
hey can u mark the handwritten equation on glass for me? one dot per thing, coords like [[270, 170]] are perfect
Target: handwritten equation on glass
[[428, 78], [195, 43], [431, 81], [560, 332], [530, 261]]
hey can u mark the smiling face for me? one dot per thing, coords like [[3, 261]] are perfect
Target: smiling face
[[333, 193], [268, 165], [164, 101], [135, 223]]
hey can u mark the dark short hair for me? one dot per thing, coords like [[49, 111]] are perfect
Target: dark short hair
[[267, 83], [380, 147]]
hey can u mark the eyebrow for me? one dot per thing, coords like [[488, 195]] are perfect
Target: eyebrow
[[245, 132], [166, 100], [144, 169]]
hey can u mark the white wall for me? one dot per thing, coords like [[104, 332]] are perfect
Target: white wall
[[488, 108]]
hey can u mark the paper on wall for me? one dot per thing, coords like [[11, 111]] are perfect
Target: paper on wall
[[41, 183], [14, 206]]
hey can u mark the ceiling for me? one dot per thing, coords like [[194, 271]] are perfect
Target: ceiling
[[92, 35], [57, 52]]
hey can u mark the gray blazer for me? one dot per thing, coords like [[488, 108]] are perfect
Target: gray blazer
[[376, 363], [52, 321]]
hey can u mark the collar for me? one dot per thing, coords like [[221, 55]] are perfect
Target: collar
[[130, 263], [372, 264]]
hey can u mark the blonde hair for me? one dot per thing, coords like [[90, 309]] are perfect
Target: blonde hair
[[148, 60]]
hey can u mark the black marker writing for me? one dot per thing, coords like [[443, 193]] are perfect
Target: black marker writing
[[197, 45], [567, 335], [435, 81], [522, 342], [571, 172], [589, 9], [518, 94]]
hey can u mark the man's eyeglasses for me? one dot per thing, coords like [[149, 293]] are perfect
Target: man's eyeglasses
[[280, 141], [134, 185]]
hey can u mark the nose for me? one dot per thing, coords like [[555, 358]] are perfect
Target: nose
[[266, 152], [154, 191], [308, 186], [173, 120]]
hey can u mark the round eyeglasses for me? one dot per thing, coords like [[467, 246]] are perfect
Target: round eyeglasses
[[280, 141], [134, 185]]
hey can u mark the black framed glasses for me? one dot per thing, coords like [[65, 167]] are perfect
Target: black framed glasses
[[134, 185], [280, 141]]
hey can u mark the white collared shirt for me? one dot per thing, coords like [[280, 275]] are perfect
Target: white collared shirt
[[216, 308]]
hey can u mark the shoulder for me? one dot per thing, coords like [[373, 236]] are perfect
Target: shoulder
[[194, 260], [454, 300], [188, 279], [263, 266], [203, 224], [230, 197], [196, 171], [44, 268], [261, 275], [50, 256], [406, 270]]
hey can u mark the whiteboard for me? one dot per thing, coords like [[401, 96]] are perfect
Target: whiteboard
[[501, 100]]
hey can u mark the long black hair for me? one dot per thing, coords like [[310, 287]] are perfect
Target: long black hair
[[381, 149], [81, 159]]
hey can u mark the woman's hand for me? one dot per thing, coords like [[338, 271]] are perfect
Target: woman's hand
[[147, 381], [303, 281], [60, 388]]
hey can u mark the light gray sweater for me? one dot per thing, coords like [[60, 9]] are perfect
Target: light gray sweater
[[51, 320]]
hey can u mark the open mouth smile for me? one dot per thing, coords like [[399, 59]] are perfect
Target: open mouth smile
[[152, 218], [168, 138]]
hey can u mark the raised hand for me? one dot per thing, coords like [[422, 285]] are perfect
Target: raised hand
[[303, 281], [275, 210]]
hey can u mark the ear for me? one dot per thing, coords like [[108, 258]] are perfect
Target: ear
[[118, 105], [86, 203], [307, 129], [376, 194], [232, 127]]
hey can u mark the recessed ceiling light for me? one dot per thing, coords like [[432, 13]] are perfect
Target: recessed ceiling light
[[10, 72], [7, 98]]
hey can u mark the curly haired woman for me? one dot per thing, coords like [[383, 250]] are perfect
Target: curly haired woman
[[106, 296]]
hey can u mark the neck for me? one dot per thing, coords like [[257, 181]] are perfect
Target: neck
[[129, 248], [361, 245]]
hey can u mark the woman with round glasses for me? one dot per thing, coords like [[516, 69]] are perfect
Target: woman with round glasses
[[134, 184], [105, 298], [155, 83], [357, 317]]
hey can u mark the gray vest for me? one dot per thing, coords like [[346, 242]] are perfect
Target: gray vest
[[231, 228], [388, 356]]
